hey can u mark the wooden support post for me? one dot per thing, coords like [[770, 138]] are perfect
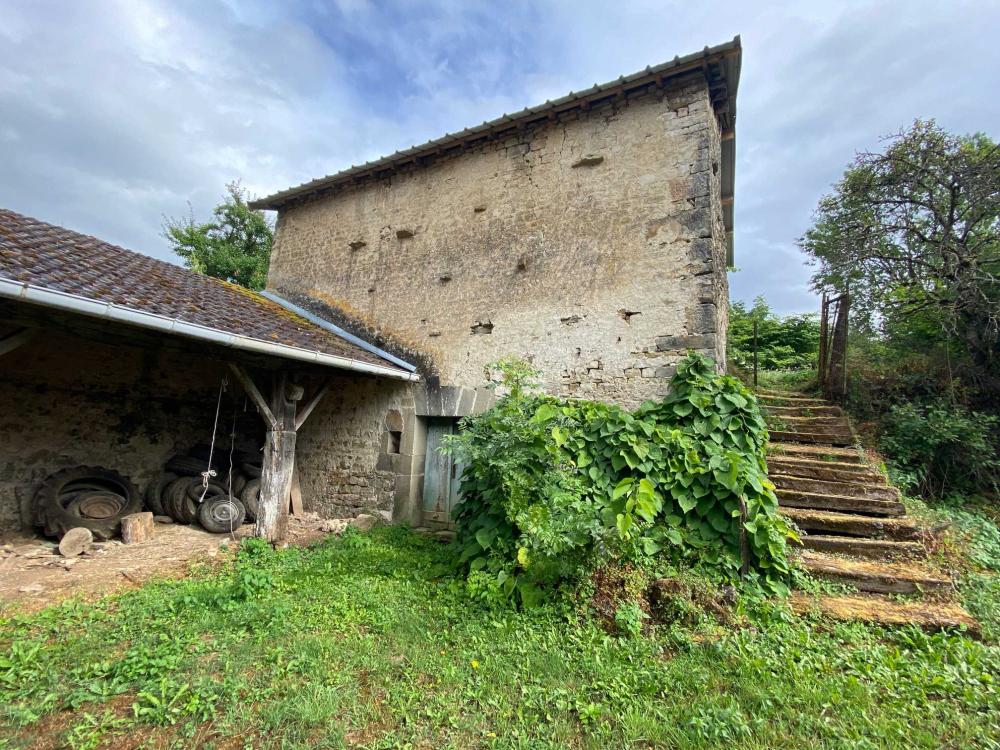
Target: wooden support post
[[279, 462]]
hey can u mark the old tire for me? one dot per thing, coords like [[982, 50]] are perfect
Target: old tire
[[250, 496], [221, 514], [252, 470], [186, 466], [154, 493], [176, 502], [58, 500]]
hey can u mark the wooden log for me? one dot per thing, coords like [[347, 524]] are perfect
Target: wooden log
[[137, 527], [276, 485], [75, 542]]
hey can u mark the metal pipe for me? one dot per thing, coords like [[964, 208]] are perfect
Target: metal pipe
[[337, 330], [66, 301]]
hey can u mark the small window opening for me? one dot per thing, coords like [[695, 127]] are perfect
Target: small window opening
[[395, 440]]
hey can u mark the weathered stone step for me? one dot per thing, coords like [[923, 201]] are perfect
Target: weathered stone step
[[831, 431], [783, 394], [840, 503], [879, 610], [791, 400], [815, 452], [812, 437], [851, 489], [798, 422], [805, 411], [828, 471], [878, 577], [851, 524], [870, 549]]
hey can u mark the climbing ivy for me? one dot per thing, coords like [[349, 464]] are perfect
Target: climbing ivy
[[552, 487]]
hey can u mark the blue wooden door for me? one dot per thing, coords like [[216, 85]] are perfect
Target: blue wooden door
[[441, 474]]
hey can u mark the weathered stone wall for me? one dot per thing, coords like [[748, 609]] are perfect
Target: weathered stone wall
[[593, 245], [65, 402], [343, 452]]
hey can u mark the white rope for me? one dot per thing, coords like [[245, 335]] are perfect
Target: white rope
[[210, 472]]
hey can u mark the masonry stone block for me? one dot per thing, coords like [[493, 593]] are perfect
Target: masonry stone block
[[683, 343]]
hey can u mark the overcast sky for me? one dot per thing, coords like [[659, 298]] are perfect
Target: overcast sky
[[116, 114]]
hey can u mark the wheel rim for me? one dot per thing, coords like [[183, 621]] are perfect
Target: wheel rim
[[223, 512], [96, 506]]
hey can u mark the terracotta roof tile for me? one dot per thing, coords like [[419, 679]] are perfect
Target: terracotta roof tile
[[54, 258]]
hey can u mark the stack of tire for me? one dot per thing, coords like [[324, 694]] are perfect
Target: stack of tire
[[89, 496], [229, 499]]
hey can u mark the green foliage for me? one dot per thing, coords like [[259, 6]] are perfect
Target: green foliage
[[914, 233], [783, 343], [937, 447], [234, 246], [551, 487], [365, 641], [629, 619]]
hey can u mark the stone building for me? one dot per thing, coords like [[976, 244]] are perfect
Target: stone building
[[590, 235]]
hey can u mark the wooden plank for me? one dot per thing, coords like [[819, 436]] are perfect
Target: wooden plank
[[295, 499], [306, 410], [254, 394]]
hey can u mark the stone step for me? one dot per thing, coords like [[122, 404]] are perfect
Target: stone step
[[767, 400], [812, 438], [805, 411], [783, 394], [877, 577], [879, 610], [798, 422], [828, 471], [851, 524], [840, 503], [815, 452], [851, 489], [869, 549]]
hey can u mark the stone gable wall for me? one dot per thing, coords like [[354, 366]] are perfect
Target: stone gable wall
[[593, 246]]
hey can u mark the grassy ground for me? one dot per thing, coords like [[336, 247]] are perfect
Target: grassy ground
[[364, 641]]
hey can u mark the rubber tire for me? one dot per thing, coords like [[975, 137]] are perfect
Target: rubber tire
[[186, 466], [210, 523], [57, 520], [250, 497], [154, 493], [253, 471], [176, 502]]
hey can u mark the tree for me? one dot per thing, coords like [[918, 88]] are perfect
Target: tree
[[235, 246], [914, 232], [783, 343]]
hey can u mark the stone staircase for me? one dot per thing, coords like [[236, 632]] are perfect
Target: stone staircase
[[854, 528]]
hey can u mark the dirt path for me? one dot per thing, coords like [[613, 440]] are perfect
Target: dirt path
[[33, 574]]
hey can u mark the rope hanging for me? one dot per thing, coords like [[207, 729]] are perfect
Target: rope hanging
[[209, 471]]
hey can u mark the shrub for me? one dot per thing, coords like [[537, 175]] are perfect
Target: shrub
[[783, 343], [552, 487], [939, 448]]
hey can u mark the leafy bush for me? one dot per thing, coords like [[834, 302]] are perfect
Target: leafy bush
[[552, 487], [937, 447], [783, 343]]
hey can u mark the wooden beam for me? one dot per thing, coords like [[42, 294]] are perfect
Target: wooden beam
[[15, 340], [312, 404], [254, 394]]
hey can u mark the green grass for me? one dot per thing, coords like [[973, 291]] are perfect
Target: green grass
[[365, 641]]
